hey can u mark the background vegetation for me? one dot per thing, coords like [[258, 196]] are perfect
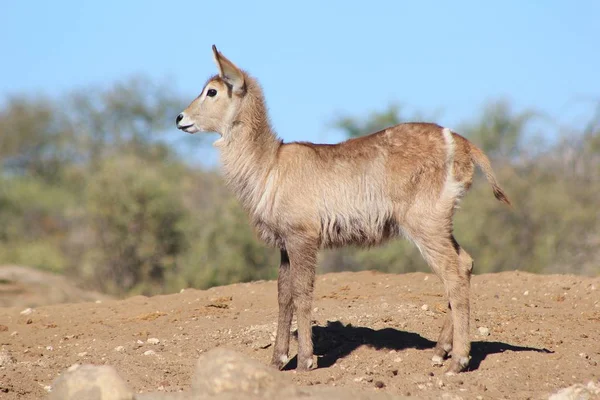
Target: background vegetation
[[92, 187]]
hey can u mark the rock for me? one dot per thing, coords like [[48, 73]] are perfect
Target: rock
[[26, 311], [483, 331], [578, 391], [6, 358], [424, 307], [120, 349], [149, 353], [221, 370], [90, 382], [153, 341]]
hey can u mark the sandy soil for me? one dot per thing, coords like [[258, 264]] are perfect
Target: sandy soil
[[372, 331]]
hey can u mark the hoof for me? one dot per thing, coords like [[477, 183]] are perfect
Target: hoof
[[279, 362], [305, 365], [457, 365]]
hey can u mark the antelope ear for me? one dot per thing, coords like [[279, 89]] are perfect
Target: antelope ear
[[231, 74]]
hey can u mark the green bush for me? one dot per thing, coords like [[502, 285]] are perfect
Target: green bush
[[135, 216]]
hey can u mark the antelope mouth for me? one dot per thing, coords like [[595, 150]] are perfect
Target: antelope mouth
[[188, 128]]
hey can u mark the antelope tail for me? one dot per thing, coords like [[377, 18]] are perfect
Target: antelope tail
[[483, 163]]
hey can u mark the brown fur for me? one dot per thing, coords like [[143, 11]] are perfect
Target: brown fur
[[301, 197]]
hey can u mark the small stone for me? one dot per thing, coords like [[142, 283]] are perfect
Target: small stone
[[578, 391], [90, 382], [149, 353], [182, 290], [424, 307], [222, 370], [526, 293], [15, 333], [153, 341], [398, 359], [120, 349], [483, 331], [6, 358], [98, 301], [139, 342], [82, 354], [26, 311], [316, 309], [379, 384]]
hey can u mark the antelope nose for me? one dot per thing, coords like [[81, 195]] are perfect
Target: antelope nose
[[178, 119]]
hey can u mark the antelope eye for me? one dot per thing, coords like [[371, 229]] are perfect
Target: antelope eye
[[211, 93]]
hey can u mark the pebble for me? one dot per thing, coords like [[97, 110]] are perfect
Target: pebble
[[424, 307], [149, 353], [379, 384], [526, 293], [120, 349], [6, 358], [483, 331], [82, 354], [49, 348], [153, 341], [26, 311]]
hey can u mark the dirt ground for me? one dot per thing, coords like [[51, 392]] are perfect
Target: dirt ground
[[372, 332]]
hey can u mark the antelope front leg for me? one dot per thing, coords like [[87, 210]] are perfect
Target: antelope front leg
[[284, 322], [303, 261]]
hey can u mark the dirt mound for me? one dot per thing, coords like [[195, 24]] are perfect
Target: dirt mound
[[29, 287], [532, 335]]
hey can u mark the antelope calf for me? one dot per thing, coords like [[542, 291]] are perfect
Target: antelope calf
[[405, 180]]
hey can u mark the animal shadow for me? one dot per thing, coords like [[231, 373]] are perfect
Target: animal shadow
[[480, 350], [336, 340]]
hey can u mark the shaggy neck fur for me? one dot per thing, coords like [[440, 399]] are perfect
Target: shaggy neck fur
[[249, 148]]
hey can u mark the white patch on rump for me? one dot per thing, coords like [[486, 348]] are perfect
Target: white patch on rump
[[452, 189]]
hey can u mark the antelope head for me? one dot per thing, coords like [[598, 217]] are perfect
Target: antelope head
[[219, 103]]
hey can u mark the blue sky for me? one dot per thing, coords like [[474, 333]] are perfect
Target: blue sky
[[318, 59]]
